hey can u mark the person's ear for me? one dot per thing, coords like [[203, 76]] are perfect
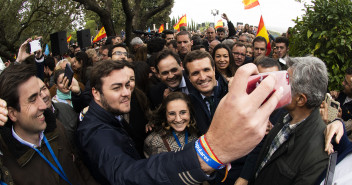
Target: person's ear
[[301, 99], [96, 94], [12, 114]]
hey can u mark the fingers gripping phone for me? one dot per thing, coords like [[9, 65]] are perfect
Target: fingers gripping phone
[[69, 74], [34, 46], [282, 80], [333, 107]]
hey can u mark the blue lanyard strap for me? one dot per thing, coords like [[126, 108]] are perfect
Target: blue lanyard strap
[[178, 141], [61, 171], [2, 183]]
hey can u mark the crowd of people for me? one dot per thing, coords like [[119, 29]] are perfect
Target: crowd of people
[[172, 109]]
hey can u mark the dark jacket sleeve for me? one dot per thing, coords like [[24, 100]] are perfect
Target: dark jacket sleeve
[[249, 166], [232, 30], [81, 101], [119, 167]]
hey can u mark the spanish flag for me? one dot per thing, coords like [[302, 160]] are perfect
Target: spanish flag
[[248, 4], [161, 29], [69, 39], [181, 22], [264, 33], [101, 34], [219, 24]]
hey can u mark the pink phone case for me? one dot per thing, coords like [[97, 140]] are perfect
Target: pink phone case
[[282, 80]]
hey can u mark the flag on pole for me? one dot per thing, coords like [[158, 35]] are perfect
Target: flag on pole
[[264, 33], [180, 23], [219, 24], [161, 29], [69, 39], [101, 34], [248, 4]]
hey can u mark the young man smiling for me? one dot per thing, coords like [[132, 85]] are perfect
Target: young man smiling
[[34, 146]]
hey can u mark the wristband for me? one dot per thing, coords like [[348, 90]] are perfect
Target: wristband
[[206, 158], [207, 148]]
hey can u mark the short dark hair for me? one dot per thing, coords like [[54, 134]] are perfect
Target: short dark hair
[[197, 47], [184, 33], [173, 43], [349, 71], [195, 55], [57, 73], [11, 78], [282, 40], [221, 29], [260, 39], [49, 62], [267, 62], [163, 54], [155, 45], [109, 40], [166, 32], [103, 69], [121, 45]]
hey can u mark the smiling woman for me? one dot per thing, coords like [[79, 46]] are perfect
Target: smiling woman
[[174, 123]]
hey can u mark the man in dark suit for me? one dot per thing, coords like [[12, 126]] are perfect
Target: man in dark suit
[[169, 70]]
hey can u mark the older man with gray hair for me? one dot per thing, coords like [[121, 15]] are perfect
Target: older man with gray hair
[[136, 43], [294, 148]]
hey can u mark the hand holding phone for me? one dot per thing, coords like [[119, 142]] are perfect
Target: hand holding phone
[[282, 80], [35, 45], [68, 74]]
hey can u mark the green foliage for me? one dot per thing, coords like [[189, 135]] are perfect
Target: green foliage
[[22, 19], [325, 31]]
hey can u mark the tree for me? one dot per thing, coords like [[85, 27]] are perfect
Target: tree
[[325, 31], [137, 13], [22, 19]]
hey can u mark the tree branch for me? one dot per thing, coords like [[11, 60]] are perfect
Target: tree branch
[[156, 10]]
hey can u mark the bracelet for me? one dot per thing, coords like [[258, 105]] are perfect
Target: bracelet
[[206, 158], [207, 148]]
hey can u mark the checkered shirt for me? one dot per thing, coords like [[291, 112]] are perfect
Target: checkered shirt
[[279, 139]]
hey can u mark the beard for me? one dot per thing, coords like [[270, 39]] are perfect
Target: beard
[[107, 107]]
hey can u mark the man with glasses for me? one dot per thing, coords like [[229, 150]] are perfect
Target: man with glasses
[[239, 53], [118, 52]]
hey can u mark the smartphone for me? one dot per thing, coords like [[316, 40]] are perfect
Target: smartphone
[[333, 107], [331, 169], [69, 74], [282, 80], [35, 45]]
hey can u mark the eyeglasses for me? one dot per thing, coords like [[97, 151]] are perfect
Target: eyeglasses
[[119, 53], [237, 53]]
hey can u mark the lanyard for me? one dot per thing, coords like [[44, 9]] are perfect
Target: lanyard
[[178, 141], [2, 183], [61, 171]]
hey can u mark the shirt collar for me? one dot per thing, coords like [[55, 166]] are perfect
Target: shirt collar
[[212, 94], [287, 120], [18, 138]]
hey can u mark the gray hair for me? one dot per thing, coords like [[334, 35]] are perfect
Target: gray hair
[[228, 42], [136, 41], [309, 77]]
